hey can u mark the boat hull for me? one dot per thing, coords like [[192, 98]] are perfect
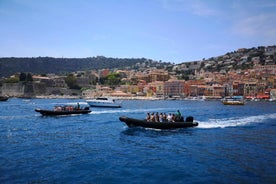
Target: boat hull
[[104, 105], [131, 122], [58, 113], [235, 100], [107, 103], [233, 103]]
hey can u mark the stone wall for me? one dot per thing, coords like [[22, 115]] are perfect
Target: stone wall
[[13, 89], [31, 89]]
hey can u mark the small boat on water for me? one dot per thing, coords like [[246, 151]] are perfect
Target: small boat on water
[[235, 100], [103, 102], [64, 110], [131, 122], [4, 98]]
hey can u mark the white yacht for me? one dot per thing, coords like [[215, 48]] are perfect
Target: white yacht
[[103, 102], [235, 100]]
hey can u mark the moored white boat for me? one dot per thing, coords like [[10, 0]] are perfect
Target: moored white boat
[[235, 100], [103, 102]]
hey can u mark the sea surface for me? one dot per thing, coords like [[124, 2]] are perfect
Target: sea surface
[[232, 144]]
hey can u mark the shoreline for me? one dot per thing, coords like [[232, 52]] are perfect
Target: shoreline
[[86, 98], [127, 98], [131, 98], [116, 98]]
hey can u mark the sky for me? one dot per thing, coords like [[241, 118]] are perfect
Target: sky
[[163, 30]]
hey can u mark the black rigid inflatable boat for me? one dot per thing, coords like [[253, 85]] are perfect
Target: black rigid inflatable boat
[[4, 98], [131, 122], [62, 112]]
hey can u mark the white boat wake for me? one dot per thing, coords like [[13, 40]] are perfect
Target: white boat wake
[[233, 122], [128, 111], [210, 123]]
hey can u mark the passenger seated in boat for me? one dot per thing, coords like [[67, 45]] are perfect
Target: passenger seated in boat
[[173, 118], [57, 108], [157, 117], [161, 117], [164, 117], [67, 108], [169, 117], [148, 116], [152, 117]]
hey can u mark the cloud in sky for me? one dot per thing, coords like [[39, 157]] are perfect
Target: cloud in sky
[[196, 7], [167, 30], [257, 25], [255, 22]]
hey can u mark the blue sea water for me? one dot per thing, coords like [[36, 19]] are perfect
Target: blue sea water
[[232, 144]]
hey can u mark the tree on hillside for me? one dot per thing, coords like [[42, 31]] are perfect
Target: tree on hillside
[[111, 79], [12, 80], [22, 77], [29, 77], [71, 81]]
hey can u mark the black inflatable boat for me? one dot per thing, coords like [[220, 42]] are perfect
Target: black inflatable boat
[[131, 122]]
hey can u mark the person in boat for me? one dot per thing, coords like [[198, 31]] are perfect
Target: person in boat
[[161, 117], [157, 117], [58, 108], [169, 117], [152, 117], [78, 106], [173, 118], [178, 115], [69, 108], [164, 117], [148, 116]]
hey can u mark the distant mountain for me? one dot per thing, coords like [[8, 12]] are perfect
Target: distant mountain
[[237, 60], [240, 59], [44, 65]]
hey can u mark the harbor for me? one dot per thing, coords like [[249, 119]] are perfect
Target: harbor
[[98, 148]]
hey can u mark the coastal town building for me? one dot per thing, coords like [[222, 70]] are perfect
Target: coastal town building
[[245, 72], [273, 94], [155, 89], [270, 50], [152, 76], [174, 88]]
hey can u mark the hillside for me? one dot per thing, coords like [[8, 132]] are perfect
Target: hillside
[[240, 59], [232, 61], [43, 65]]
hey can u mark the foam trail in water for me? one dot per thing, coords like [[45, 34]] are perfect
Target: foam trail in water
[[237, 121], [127, 111]]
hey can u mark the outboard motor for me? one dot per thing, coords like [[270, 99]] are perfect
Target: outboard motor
[[190, 119]]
